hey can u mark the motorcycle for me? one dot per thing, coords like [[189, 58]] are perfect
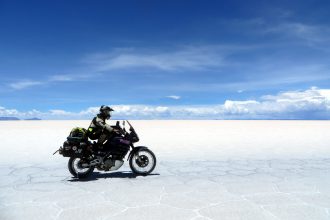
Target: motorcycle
[[86, 156]]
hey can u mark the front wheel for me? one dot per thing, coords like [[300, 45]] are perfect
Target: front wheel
[[143, 162], [77, 168]]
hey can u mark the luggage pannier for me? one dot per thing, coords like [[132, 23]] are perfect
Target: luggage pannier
[[71, 149], [76, 143]]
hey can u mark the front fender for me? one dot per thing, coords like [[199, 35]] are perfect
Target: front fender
[[136, 149]]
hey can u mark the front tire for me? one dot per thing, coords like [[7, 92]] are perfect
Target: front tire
[[143, 162], [75, 168]]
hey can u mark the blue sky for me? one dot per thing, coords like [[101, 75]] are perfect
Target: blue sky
[[165, 59]]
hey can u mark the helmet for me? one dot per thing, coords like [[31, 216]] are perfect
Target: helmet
[[105, 111]]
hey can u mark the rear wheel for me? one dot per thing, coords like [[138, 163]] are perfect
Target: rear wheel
[[143, 162], [77, 168]]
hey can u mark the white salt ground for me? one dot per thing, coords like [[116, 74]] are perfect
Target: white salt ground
[[206, 170]]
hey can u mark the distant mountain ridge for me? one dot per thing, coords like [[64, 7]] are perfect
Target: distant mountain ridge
[[33, 119], [9, 119], [16, 119]]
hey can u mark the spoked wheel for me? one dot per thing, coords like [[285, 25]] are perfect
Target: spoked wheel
[[77, 168], [143, 162]]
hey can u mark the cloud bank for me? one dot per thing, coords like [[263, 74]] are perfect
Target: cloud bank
[[313, 103]]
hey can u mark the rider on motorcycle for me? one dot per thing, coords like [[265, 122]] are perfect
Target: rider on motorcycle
[[99, 129]]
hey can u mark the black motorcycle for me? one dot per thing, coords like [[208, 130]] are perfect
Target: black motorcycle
[[86, 156]]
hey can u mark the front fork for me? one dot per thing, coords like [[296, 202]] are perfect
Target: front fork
[[136, 155], [132, 153]]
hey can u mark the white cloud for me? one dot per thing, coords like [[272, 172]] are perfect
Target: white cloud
[[71, 77], [19, 85], [90, 111], [188, 58], [4, 112], [239, 107], [176, 97], [8, 112], [63, 77], [24, 84], [263, 76], [310, 33], [312, 103], [59, 112]]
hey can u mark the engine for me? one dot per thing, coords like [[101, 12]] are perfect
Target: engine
[[111, 164]]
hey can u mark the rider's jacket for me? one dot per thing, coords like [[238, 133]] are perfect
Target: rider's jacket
[[98, 126]]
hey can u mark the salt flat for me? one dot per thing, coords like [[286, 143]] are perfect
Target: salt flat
[[206, 170]]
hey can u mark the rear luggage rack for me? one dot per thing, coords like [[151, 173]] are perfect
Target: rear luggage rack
[[60, 151]]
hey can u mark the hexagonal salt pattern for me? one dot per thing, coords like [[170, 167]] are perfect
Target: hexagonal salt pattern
[[170, 193], [201, 184]]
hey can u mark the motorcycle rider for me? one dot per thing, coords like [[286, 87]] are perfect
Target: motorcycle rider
[[99, 129]]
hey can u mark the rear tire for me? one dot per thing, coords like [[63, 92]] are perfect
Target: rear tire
[[146, 166], [76, 170]]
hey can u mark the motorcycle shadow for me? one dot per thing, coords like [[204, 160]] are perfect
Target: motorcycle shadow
[[99, 175]]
